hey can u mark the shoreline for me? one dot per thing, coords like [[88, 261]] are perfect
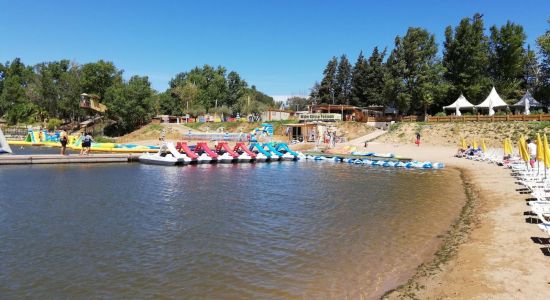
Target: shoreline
[[487, 253]]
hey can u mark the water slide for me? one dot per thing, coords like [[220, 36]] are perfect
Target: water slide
[[227, 149], [241, 146], [4, 146], [272, 149], [284, 147], [204, 147], [260, 149], [182, 146], [179, 156]]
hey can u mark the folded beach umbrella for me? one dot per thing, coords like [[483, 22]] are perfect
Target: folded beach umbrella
[[510, 148], [523, 149], [474, 144], [505, 146], [540, 148], [546, 152], [463, 143], [483, 147]]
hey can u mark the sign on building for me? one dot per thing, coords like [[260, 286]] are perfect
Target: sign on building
[[320, 117]]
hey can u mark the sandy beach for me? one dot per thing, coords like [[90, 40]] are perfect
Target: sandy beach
[[500, 258]]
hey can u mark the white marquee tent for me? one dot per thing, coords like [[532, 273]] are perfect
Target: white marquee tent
[[460, 103], [492, 101], [527, 102]]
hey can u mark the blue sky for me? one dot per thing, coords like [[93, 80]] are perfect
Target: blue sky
[[280, 46]]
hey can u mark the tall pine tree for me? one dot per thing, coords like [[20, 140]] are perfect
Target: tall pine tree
[[343, 81], [466, 59], [375, 78], [327, 89], [543, 43], [359, 81], [508, 58]]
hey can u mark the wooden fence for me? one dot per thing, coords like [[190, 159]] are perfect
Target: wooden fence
[[476, 118]]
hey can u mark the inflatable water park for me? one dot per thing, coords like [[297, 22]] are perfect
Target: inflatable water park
[[44, 138]]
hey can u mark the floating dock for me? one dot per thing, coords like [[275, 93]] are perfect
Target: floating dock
[[66, 159], [371, 157]]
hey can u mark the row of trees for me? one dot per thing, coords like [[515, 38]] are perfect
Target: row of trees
[[30, 94], [415, 79]]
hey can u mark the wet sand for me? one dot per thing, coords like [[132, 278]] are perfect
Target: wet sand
[[500, 258]]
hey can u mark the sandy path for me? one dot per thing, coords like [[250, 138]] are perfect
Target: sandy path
[[499, 260]]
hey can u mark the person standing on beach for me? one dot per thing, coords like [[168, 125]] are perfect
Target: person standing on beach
[[532, 147], [417, 139], [63, 139]]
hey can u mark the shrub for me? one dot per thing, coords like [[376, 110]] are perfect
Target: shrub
[[440, 114], [53, 124]]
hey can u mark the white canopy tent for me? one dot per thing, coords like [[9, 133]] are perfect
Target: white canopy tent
[[526, 102], [492, 101], [460, 103]]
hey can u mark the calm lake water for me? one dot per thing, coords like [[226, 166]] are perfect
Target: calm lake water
[[311, 230]]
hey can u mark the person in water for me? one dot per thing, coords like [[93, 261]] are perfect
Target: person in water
[[63, 139]]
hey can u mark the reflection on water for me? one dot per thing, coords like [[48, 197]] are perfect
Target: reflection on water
[[253, 231]]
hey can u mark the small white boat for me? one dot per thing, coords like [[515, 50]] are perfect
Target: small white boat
[[260, 157], [244, 157], [167, 155], [204, 159], [274, 157], [4, 146], [287, 156], [225, 158]]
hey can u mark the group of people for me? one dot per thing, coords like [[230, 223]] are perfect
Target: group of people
[[86, 142]]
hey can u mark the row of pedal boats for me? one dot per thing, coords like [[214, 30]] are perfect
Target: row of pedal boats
[[381, 163], [169, 155]]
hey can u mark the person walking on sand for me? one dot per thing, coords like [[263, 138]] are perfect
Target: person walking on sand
[[417, 139], [532, 147], [63, 139]]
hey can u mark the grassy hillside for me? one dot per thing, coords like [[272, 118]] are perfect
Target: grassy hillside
[[451, 133]]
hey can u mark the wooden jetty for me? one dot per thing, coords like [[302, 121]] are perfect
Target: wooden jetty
[[66, 159]]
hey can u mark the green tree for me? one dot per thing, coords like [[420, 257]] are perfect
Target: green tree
[[374, 75], [14, 100], [298, 103], [97, 77], [359, 83], [508, 59], [342, 88], [130, 104], [235, 88], [543, 42], [328, 84], [466, 59], [415, 71]]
